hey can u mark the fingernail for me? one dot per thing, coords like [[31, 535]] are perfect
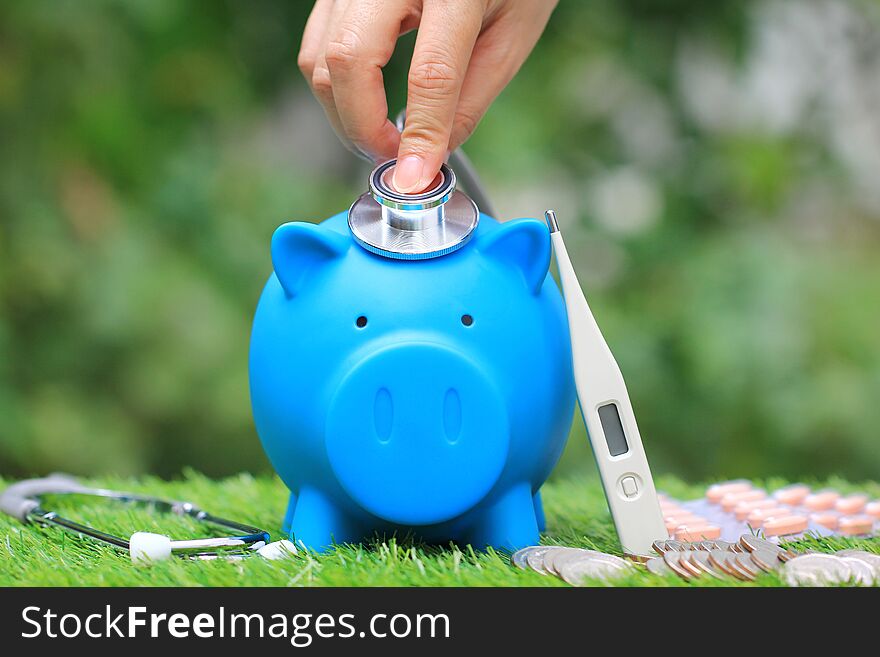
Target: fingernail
[[408, 174]]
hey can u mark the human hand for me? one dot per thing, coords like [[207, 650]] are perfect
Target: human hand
[[466, 52]]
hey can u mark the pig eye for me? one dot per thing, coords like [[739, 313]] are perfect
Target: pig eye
[[467, 320], [361, 321]]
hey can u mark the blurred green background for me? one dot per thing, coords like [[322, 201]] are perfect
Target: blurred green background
[[716, 167]]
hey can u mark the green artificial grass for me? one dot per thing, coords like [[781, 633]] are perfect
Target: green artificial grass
[[576, 516]]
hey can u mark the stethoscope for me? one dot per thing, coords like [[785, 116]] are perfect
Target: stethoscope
[[23, 500]]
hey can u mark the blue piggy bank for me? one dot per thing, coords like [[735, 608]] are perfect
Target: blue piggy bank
[[429, 398]]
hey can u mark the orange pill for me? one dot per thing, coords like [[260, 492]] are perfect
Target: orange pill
[[743, 509], [793, 495], [828, 519], [784, 526], [873, 508], [855, 525], [684, 518], [671, 527], [758, 516], [716, 491], [851, 504], [729, 501], [821, 501], [705, 532]]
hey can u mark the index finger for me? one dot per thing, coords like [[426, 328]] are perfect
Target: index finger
[[362, 44], [446, 38]]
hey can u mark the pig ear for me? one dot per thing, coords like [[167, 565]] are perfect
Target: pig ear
[[523, 244], [298, 248]]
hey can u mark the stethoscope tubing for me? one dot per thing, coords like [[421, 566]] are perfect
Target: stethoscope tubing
[[22, 500]]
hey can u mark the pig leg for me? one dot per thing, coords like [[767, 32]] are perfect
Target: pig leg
[[509, 523], [288, 515], [318, 523], [539, 511]]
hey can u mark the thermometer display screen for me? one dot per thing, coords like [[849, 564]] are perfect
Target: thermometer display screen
[[612, 427]]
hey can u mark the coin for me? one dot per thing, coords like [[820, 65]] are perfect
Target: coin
[[685, 561], [553, 559], [658, 566], [752, 543], [816, 570], [519, 557], [766, 560], [637, 558], [676, 546], [747, 566], [717, 559], [594, 566], [705, 546], [659, 547], [672, 559], [789, 554], [535, 558], [724, 562], [700, 559], [724, 546], [860, 572], [869, 558]]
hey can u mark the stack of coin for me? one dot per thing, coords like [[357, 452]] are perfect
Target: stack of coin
[[845, 567], [576, 566], [744, 560]]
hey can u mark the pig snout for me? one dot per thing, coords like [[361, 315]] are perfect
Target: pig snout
[[417, 433]]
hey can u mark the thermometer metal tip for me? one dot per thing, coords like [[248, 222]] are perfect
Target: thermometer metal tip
[[609, 417]]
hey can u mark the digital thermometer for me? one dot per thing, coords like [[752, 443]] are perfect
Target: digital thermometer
[[608, 414]]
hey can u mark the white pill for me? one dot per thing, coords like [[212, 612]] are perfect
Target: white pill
[[277, 550], [148, 548]]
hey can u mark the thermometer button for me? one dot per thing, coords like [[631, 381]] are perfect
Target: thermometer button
[[629, 486]]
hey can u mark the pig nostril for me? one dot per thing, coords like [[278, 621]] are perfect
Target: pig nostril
[[452, 415], [383, 415]]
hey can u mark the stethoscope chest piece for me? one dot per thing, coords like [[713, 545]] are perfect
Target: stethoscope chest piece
[[430, 224]]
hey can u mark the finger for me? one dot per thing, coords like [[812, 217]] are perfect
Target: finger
[[313, 38], [361, 45], [320, 82], [443, 48], [498, 54]]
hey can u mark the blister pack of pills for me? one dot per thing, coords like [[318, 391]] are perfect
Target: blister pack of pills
[[730, 509]]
